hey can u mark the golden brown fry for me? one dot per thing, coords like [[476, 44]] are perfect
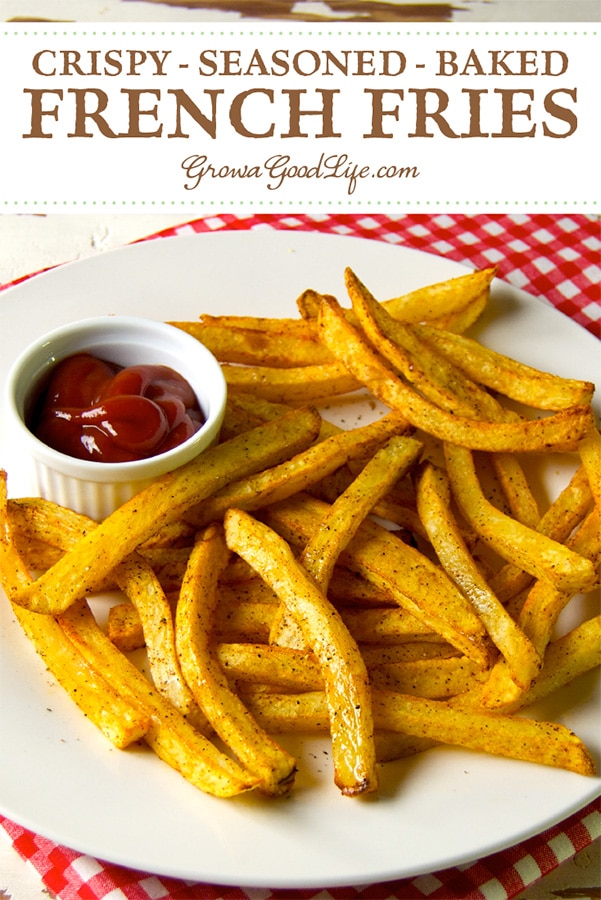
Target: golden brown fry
[[134, 576], [434, 504], [124, 627], [563, 515], [454, 304], [170, 735], [285, 667], [344, 672], [121, 720], [304, 384], [516, 489], [541, 611], [402, 572], [341, 522], [561, 431], [433, 679], [438, 380], [244, 621], [513, 737], [84, 567], [298, 472], [293, 345], [590, 454], [142, 588], [523, 383], [533, 551], [225, 711]]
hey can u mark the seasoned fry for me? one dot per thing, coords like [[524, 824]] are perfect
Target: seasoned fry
[[122, 720], [525, 384], [85, 566], [454, 304], [344, 673], [341, 522], [566, 512], [513, 737], [124, 627], [63, 528], [533, 551], [141, 586], [431, 374], [399, 570], [434, 504], [291, 385], [541, 611], [227, 714], [171, 737], [561, 431], [299, 472], [293, 344], [590, 454]]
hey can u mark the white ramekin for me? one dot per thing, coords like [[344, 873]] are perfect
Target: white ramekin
[[98, 488]]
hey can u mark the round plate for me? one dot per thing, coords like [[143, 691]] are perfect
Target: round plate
[[59, 776]]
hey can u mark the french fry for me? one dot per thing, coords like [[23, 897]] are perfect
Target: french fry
[[344, 672], [434, 504], [561, 431], [123, 721], [541, 611], [63, 528], [442, 382], [285, 667], [401, 571], [170, 735], [507, 376], [302, 384], [124, 627], [563, 515], [454, 304], [225, 711], [300, 471], [513, 737], [437, 379], [289, 669], [516, 489], [533, 551], [293, 345], [590, 454], [84, 567], [341, 522], [141, 586]]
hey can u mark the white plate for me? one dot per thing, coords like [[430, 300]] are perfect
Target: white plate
[[59, 777]]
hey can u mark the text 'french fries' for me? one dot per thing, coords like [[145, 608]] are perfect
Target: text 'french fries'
[[396, 585]]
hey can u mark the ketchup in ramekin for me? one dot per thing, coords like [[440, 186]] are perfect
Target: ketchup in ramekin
[[94, 409]]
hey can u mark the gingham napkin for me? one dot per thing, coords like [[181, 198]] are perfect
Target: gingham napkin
[[552, 256]]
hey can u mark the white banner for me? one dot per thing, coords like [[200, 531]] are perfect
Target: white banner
[[154, 117]]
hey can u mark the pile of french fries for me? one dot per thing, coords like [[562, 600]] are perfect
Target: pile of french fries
[[396, 585]]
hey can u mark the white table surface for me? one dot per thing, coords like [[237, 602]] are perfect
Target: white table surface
[[30, 243], [138, 10]]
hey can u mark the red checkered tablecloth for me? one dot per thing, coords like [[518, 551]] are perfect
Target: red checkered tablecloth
[[557, 257]]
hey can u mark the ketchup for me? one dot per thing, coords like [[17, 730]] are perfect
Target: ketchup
[[93, 409]]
